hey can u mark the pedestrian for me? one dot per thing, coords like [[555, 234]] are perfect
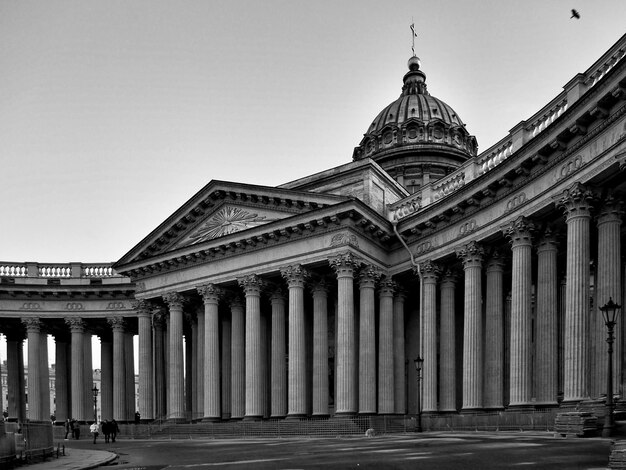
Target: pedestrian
[[95, 430], [114, 430], [75, 428], [68, 427], [106, 430]]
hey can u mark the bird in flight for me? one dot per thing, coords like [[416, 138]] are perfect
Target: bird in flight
[[575, 14]]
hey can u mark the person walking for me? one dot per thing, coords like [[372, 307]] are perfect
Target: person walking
[[94, 429], [68, 427], [114, 430]]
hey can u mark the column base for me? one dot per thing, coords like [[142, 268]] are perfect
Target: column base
[[210, 419], [278, 416], [295, 416], [253, 418]]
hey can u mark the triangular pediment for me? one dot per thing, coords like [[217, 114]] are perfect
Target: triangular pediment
[[222, 208], [229, 218]]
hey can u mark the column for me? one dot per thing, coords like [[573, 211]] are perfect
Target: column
[[77, 373], [295, 277], [320, 348], [226, 368], [160, 395], [106, 376], [188, 338], [176, 386], [146, 392], [88, 379], [399, 356], [16, 403], [278, 370], [119, 368], [199, 370], [238, 364], [129, 356], [35, 365], [61, 380], [494, 331], [447, 371], [211, 378], [386, 371], [368, 275], [252, 289], [45, 377], [192, 360], [472, 257], [609, 285], [519, 233], [577, 204], [430, 273], [547, 332], [346, 398]]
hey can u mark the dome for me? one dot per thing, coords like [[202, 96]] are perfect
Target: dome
[[416, 130]]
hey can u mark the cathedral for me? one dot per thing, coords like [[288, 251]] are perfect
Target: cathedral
[[419, 277]]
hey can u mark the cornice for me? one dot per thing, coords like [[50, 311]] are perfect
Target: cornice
[[353, 214]]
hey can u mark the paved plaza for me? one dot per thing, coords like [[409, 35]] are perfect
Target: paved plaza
[[427, 451]]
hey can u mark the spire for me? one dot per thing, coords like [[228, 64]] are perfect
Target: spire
[[414, 79]]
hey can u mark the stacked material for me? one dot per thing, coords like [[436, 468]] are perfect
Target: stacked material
[[617, 458], [575, 423]]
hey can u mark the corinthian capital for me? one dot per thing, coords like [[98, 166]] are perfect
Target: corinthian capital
[[295, 275], [344, 264], [32, 324], [369, 275], [76, 324], [117, 323], [471, 254], [430, 270], [519, 231], [142, 307], [174, 300], [251, 284], [577, 200], [210, 293]]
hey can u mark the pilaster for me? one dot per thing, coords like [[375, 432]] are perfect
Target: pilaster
[[430, 273], [238, 364], [320, 348], [278, 370], [494, 331], [447, 401]]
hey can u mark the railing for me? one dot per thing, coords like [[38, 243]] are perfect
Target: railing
[[67, 270], [521, 133]]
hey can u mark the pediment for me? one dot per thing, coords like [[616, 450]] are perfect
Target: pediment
[[223, 208], [227, 219]]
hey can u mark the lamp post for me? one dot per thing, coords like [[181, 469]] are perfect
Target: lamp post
[[419, 362], [95, 403], [609, 313]]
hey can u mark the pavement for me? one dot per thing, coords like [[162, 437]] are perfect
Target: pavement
[[74, 459]]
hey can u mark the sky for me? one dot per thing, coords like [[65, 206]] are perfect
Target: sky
[[113, 113]]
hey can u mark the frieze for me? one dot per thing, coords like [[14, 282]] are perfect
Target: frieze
[[515, 201], [569, 167], [467, 228], [74, 306], [424, 247], [30, 306], [341, 239], [115, 306]]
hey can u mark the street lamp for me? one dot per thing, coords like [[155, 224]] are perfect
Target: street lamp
[[609, 312], [95, 403], [419, 362]]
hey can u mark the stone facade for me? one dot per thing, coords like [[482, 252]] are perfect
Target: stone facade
[[310, 299]]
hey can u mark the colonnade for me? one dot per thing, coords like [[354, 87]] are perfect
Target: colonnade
[[522, 325]]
